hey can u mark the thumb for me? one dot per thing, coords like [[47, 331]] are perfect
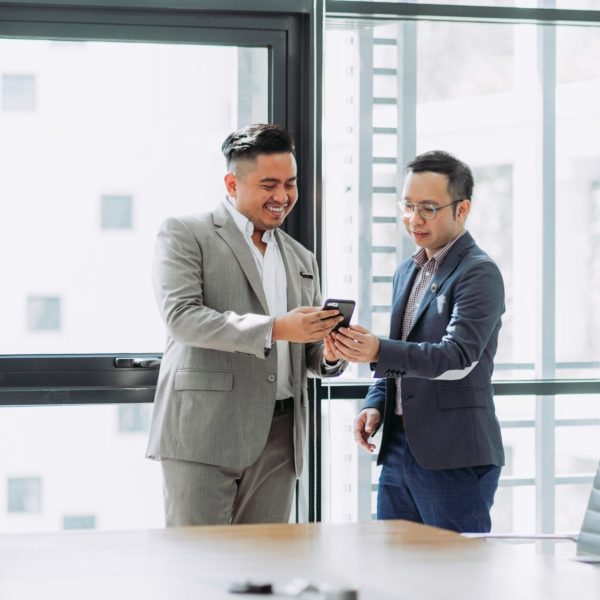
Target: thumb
[[371, 423], [359, 328], [306, 309]]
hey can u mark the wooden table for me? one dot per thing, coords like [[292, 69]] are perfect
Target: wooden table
[[392, 559]]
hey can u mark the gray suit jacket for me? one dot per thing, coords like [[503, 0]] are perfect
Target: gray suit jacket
[[446, 362], [217, 385]]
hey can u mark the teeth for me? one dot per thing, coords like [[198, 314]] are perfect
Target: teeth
[[277, 209]]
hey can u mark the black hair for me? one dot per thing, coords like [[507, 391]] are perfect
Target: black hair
[[460, 177], [250, 141]]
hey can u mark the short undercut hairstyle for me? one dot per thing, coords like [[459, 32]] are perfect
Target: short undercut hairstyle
[[460, 177], [250, 141]]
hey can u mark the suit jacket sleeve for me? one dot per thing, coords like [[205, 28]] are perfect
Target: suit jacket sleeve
[[178, 287], [376, 396], [477, 305]]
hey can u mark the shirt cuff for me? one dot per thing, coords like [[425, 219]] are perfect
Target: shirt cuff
[[329, 368], [269, 337]]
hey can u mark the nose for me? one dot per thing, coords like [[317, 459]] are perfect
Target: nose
[[416, 217], [280, 194]]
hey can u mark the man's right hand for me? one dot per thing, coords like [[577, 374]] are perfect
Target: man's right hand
[[305, 324], [365, 424]]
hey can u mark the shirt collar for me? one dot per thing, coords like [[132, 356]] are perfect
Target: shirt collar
[[420, 256], [244, 224]]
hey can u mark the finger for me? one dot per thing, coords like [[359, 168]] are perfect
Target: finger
[[344, 343], [359, 329], [329, 352], [346, 356], [353, 334], [326, 314], [305, 310], [330, 345], [325, 327], [372, 423], [362, 441]]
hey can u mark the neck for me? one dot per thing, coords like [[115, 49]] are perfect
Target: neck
[[257, 240]]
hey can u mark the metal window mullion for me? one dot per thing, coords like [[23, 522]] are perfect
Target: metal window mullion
[[365, 180], [546, 359], [406, 141], [364, 483]]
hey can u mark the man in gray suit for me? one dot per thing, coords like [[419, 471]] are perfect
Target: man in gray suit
[[241, 303]]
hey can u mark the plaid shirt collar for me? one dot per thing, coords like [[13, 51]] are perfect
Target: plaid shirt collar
[[420, 256]]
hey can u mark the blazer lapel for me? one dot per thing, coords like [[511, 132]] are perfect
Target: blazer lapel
[[448, 266], [292, 270], [228, 230], [292, 275], [399, 304]]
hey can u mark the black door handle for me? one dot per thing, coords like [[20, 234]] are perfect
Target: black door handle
[[137, 363]]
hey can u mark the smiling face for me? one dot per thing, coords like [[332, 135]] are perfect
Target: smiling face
[[432, 188], [264, 189]]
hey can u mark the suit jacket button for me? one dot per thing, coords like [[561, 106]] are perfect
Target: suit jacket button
[[271, 378]]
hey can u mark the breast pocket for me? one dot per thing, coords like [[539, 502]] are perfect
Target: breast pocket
[[307, 291]]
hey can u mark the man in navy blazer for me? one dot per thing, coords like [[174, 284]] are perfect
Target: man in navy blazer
[[441, 447]]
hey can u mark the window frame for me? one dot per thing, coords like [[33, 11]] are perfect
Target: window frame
[[35, 379], [544, 386]]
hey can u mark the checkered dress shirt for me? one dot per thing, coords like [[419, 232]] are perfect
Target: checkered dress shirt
[[427, 269]]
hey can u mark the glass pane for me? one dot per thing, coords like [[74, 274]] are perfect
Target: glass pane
[[481, 106], [519, 449], [100, 142], [578, 193], [577, 450], [74, 468], [484, 107], [515, 408], [571, 503], [514, 510], [578, 406]]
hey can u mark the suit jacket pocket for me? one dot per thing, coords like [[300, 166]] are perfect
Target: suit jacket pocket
[[463, 398], [307, 291], [198, 379]]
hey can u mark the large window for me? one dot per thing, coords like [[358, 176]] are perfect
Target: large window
[[111, 120], [109, 116], [519, 102]]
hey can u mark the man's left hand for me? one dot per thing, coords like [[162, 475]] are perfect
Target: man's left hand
[[356, 344], [330, 354]]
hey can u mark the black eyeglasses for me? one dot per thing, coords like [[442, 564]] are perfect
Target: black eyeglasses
[[426, 210]]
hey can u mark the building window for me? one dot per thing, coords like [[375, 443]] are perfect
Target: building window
[[24, 495], [18, 92], [117, 212], [43, 313], [134, 417], [79, 522]]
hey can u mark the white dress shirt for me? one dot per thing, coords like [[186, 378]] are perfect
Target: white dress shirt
[[272, 273]]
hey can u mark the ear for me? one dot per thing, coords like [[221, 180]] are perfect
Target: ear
[[231, 184], [463, 209]]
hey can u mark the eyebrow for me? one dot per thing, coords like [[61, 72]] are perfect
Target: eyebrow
[[275, 180], [434, 202]]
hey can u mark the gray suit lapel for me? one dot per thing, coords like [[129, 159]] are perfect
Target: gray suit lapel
[[292, 270], [228, 230], [293, 278]]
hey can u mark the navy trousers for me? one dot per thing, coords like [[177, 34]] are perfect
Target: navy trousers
[[456, 499]]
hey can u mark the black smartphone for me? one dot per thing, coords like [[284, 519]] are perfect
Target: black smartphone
[[346, 308]]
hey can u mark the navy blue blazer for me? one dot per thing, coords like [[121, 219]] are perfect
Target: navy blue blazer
[[446, 362]]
